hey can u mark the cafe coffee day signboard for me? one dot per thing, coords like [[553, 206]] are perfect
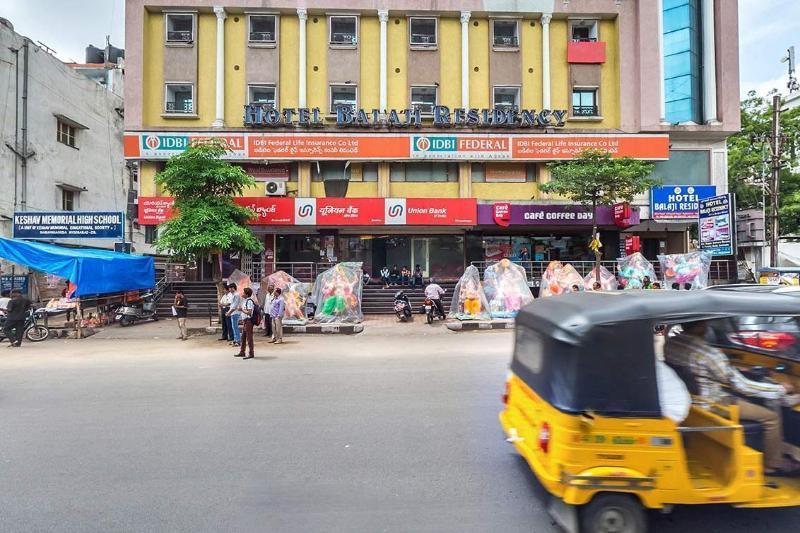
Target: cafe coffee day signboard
[[716, 225], [678, 202], [69, 225]]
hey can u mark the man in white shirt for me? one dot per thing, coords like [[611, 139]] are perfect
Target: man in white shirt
[[434, 292], [224, 321], [266, 305], [234, 313]]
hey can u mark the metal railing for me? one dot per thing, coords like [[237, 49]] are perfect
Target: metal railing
[[584, 111], [179, 36], [510, 41], [423, 39], [262, 36], [180, 106], [343, 38], [584, 39]]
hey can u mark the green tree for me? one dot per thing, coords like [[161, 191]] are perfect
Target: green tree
[[207, 221], [594, 178], [748, 160]]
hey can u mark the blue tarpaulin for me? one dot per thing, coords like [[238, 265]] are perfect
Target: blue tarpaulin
[[92, 271]]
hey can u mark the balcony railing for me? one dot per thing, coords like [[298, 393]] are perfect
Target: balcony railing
[[423, 39], [179, 36], [181, 106], [584, 111], [343, 38], [508, 41], [584, 39], [262, 36]]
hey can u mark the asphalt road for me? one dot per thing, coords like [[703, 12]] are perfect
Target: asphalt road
[[392, 430]]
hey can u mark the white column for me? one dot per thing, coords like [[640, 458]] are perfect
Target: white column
[[663, 97], [302, 16], [219, 116], [546, 18], [383, 17], [709, 64], [465, 59]]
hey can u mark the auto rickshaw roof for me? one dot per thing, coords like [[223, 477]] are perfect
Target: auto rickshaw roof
[[571, 317]]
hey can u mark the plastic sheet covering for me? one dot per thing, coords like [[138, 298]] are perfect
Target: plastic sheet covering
[[469, 300], [91, 271], [294, 293], [691, 268], [633, 269], [338, 293], [559, 279], [241, 280], [506, 287], [608, 282]]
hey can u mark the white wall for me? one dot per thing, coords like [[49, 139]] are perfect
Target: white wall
[[96, 164]]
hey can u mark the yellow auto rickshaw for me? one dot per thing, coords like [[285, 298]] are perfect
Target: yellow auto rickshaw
[[583, 408]]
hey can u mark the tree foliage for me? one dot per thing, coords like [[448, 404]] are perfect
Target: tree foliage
[[207, 220], [748, 160], [595, 178]]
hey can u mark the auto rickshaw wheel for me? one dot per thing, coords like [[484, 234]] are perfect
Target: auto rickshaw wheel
[[613, 513]]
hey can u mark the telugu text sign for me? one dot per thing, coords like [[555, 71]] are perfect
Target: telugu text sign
[[549, 147], [327, 147], [154, 210], [69, 225]]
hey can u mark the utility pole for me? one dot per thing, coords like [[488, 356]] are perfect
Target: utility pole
[[775, 144]]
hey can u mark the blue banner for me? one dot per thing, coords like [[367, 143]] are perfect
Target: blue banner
[[14, 282], [717, 225], [678, 202], [69, 225]]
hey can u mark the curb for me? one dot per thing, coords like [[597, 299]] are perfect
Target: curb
[[458, 325], [308, 329]]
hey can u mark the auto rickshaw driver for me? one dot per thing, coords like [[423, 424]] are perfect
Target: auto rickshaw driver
[[711, 369]]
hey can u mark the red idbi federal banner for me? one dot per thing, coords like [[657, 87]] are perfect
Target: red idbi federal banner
[[276, 211], [154, 210]]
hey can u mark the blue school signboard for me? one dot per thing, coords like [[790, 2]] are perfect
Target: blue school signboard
[[678, 202], [69, 225]]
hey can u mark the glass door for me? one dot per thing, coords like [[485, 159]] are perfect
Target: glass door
[[420, 255]]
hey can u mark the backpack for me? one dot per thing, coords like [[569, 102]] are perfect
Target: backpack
[[256, 316]]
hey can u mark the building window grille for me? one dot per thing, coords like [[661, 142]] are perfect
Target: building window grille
[[584, 31], [262, 29], [584, 103], [180, 28], [343, 31], [506, 98], [505, 34], [424, 99], [179, 98], [67, 200], [261, 94], [66, 134], [150, 234], [343, 96], [422, 31]]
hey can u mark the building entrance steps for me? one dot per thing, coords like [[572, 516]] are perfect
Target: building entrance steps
[[379, 300]]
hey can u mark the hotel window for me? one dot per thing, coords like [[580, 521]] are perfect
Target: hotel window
[[584, 31], [179, 98], [683, 92], [261, 94], [68, 200], [343, 31], [506, 98], [66, 134], [424, 99], [584, 103], [180, 27], [422, 32], [505, 34], [343, 96], [262, 29]]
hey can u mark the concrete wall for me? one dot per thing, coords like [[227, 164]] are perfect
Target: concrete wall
[[96, 163]]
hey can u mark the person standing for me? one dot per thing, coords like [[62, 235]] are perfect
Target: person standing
[[234, 314], [181, 305], [247, 310], [225, 306], [276, 314], [269, 296], [16, 313]]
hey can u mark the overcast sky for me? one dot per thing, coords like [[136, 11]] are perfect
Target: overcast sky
[[767, 29]]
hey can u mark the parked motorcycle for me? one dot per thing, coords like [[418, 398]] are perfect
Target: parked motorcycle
[[127, 315], [34, 331], [431, 311], [402, 306]]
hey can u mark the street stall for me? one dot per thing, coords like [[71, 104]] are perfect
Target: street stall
[[97, 278]]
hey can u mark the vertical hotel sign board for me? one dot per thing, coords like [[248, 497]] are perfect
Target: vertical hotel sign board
[[717, 228]]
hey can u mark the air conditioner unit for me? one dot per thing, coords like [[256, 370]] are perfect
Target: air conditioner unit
[[275, 188]]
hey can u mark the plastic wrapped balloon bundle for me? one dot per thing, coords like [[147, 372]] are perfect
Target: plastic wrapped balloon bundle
[[294, 296], [280, 279], [337, 293], [691, 268], [633, 269], [559, 279], [608, 282], [469, 301], [506, 287], [241, 280]]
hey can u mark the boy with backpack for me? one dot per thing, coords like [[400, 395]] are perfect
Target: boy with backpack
[[251, 316]]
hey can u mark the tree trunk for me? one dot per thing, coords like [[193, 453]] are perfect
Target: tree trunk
[[216, 272], [597, 254]]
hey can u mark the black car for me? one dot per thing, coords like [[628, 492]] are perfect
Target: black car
[[771, 335]]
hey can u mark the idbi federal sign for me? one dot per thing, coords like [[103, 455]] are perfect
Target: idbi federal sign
[[69, 225], [678, 202]]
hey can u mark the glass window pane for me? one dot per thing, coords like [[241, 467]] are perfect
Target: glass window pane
[[343, 30], [684, 167], [423, 31], [262, 28]]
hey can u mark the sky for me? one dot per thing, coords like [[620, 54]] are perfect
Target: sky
[[766, 29]]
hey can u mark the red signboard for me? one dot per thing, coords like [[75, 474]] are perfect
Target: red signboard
[[349, 211], [632, 244], [502, 214], [622, 215], [154, 210], [441, 211], [269, 211], [586, 52]]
